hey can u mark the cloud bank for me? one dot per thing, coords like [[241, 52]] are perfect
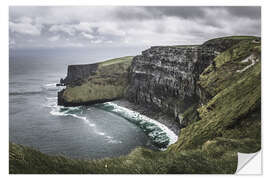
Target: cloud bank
[[126, 26]]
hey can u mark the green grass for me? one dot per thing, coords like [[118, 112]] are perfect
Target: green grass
[[191, 115], [116, 60], [109, 82], [235, 38], [184, 46], [228, 63], [227, 123], [25, 160], [235, 95]]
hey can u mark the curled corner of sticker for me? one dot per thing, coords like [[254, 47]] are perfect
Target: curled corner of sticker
[[249, 163]]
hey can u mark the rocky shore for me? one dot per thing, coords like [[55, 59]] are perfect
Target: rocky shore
[[162, 79], [165, 119], [211, 92]]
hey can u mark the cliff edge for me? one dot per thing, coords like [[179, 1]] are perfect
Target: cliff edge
[[225, 118], [95, 83]]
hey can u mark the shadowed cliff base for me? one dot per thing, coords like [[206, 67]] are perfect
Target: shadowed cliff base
[[225, 120]]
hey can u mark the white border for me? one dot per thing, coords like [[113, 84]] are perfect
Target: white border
[[139, 2], [4, 74]]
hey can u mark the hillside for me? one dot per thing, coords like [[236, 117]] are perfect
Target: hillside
[[224, 120]]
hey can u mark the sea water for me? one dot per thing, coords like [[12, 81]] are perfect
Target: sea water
[[103, 130]]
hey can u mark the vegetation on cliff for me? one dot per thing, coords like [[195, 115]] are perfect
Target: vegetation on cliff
[[110, 76], [232, 115], [226, 122]]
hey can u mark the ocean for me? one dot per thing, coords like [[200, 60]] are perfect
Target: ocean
[[89, 132]]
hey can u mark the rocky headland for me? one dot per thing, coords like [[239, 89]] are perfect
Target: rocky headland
[[212, 92], [89, 84]]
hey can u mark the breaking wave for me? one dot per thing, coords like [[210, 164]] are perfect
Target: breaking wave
[[77, 112], [160, 134]]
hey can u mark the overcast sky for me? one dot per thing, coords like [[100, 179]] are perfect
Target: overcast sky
[[120, 26]]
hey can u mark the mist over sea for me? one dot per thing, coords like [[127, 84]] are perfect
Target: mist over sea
[[35, 119]]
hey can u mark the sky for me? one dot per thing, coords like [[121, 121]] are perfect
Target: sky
[[126, 27]]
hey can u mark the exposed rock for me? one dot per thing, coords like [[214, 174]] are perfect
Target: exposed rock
[[162, 78], [230, 118], [95, 83], [165, 77], [232, 115], [77, 73]]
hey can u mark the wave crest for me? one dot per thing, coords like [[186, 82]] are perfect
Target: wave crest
[[77, 112], [160, 134]]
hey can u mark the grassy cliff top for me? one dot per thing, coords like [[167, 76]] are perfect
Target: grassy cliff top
[[124, 59], [229, 122], [176, 46], [109, 82], [231, 117], [236, 37], [220, 39]]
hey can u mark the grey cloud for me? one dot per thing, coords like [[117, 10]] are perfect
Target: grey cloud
[[54, 26], [156, 12], [252, 12], [178, 11]]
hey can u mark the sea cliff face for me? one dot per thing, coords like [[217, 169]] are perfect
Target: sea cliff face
[[162, 78], [95, 83], [77, 73], [165, 77], [224, 120]]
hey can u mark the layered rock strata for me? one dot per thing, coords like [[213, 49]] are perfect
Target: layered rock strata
[[165, 77], [162, 78], [77, 73]]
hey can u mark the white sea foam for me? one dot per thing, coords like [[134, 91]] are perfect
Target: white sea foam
[[51, 98], [158, 132], [52, 87], [155, 127], [76, 113], [50, 84], [112, 140]]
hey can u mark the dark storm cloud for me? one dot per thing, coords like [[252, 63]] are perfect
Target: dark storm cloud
[[54, 26], [154, 12], [132, 13], [253, 12], [186, 12]]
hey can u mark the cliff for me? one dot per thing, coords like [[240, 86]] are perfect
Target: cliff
[[165, 78], [224, 118], [95, 83], [77, 73], [230, 121]]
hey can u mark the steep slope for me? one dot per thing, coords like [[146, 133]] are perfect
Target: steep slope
[[226, 120], [93, 83], [164, 78], [232, 114]]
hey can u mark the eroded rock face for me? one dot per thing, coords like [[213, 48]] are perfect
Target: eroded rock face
[[77, 73], [165, 77], [95, 83]]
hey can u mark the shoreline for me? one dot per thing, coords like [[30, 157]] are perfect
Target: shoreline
[[160, 117]]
